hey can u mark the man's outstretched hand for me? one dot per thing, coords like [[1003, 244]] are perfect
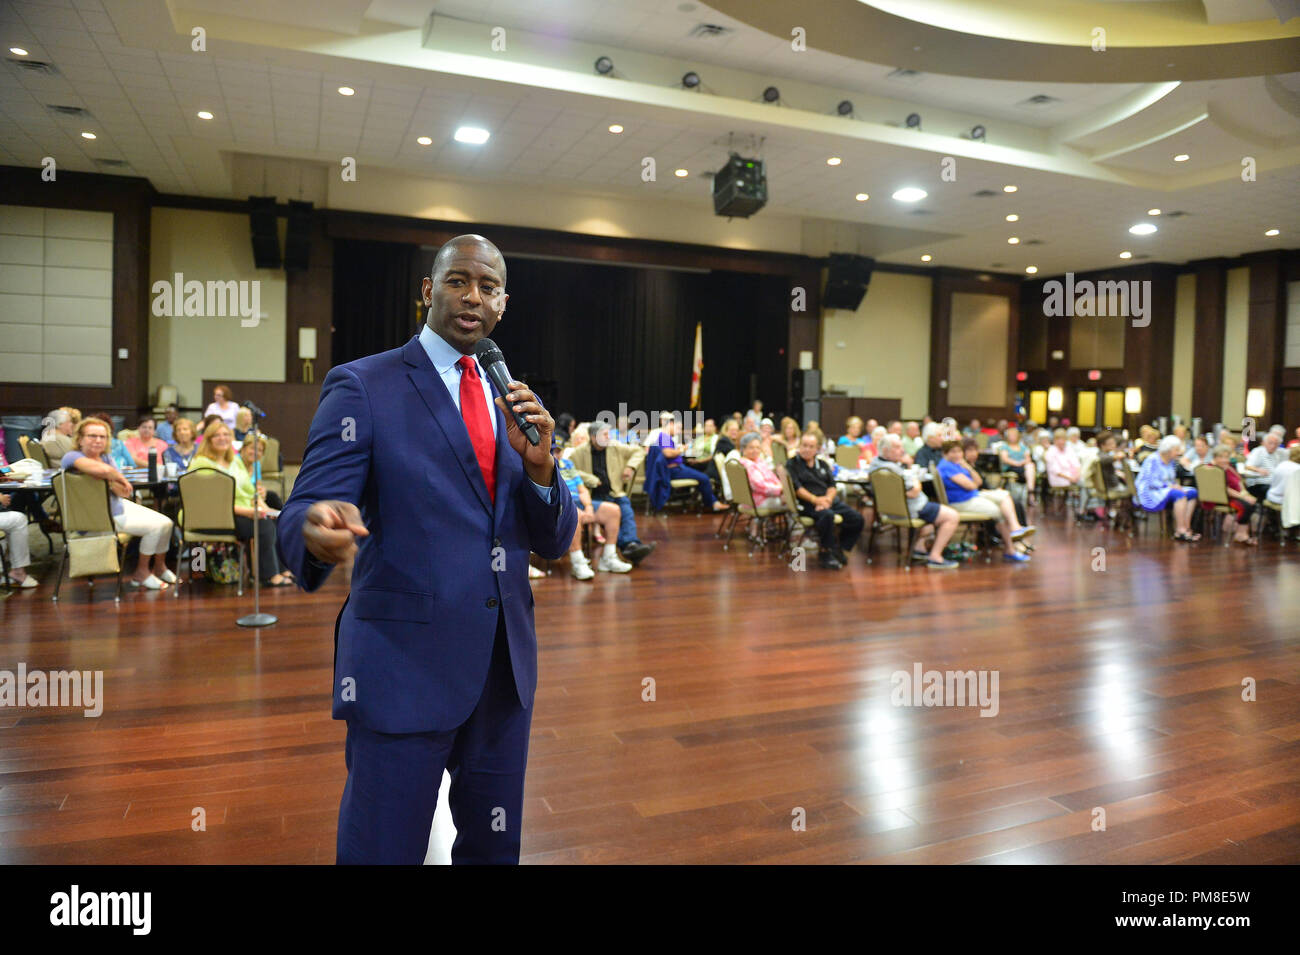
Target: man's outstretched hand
[[330, 531]]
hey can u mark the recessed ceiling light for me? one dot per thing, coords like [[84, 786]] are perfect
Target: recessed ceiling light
[[424, 140], [862, 197], [1182, 157], [616, 128], [1014, 240], [1272, 232], [681, 173], [1153, 212], [925, 258], [17, 51], [472, 134], [910, 194], [1008, 188], [1126, 255], [1031, 269], [87, 135], [1142, 228], [346, 91], [204, 114], [1013, 218], [833, 161]]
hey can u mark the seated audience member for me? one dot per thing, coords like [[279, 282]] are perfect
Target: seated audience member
[[1157, 488], [1234, 444], [250, 455], [614, 465], [894, 427], [1240, 500], [912, 440], [56, 436], [1148, 443], [222, 406], [763, 480], [165, 427], [931, 452], [677, 471], [1062, 466], [117, 454], [825, 444], [970, 455], [814, 486], [579, 436], [940, 521], [218, 451], [564, 424], [766, 435], [183, 446], [243, 423], [729, 438], [14, 524], [870, 449], [605, 514], [853, 432], [1000, 430], [1038, 452], [1076, 444], [702, 446], [91, 439], [1196, 455], [1294, 442], [790, 435], [139, 446], [962, 485], [753, 418], [1261, 462], [1111, 460], [1014, 458], [972, 429], [1282, 473]]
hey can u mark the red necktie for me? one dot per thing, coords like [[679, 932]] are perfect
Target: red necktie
[[474, 410]]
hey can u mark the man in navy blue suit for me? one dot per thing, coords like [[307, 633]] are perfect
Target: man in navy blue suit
[[413, 469]]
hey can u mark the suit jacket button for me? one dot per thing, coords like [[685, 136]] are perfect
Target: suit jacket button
[[496, 542], [491, 602]]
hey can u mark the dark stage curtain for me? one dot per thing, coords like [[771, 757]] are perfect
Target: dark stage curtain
[[375, 291]]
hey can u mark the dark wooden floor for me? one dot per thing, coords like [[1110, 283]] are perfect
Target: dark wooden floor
[[1118, 689]]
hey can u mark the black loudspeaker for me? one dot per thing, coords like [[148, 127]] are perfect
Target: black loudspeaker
[[805, 385], [266, 238], [847, 279], [297, 240], [812, 411]]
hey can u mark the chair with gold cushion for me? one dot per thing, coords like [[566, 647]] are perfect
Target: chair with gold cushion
[[207, 515], [1120, 497], [1212, 488], [848, 455], [984, 523], [738, 478], [890, 493], [85, 508]]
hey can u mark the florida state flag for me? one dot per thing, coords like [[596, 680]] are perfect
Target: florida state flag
[[697, 368]]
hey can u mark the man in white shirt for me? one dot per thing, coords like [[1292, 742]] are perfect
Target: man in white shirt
[[1261, 462]]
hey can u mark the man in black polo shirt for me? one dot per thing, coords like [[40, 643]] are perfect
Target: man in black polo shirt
[[814, 485]]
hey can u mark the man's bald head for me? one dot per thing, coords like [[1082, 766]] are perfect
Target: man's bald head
[[466, 242]]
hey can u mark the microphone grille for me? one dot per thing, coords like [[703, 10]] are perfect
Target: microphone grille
[[485, 350]]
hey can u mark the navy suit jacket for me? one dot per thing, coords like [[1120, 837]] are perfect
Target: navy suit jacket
[[414, 639]]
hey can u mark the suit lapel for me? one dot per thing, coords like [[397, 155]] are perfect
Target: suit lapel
[[504, 453], [434, 393]]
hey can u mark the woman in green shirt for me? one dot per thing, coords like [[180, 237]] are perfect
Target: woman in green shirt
[[217, 451]]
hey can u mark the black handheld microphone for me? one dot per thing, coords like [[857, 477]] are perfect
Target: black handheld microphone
[[257, 412], [494, 363]]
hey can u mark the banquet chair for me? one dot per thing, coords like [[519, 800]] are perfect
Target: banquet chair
[[738, 478], [984, 522], [1212, 488], [207, 515], [85, 507], [847, 455], [791, 500], [892, 513]]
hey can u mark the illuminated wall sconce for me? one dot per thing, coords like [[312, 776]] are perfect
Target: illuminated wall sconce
[[307, 352], [1255, 401], [1055, 399], [1132, 400]]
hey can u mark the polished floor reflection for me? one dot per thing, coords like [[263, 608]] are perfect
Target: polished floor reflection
[[713, 707]]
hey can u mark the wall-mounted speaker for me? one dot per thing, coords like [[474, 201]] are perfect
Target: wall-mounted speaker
[[805, 385], [846, 281], [266, 238], [297, 240]]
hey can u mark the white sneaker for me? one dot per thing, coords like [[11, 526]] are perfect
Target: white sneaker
[[167, 577], [534, 572], [580, 567], [27, 583], [612, 565]]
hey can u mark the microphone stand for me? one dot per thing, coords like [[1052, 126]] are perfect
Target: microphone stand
[[256, 618]]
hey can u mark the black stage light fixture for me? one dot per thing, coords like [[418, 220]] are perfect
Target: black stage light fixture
[[691, 80], [977, 133], [913, 121], [604, 65], [740, 187], [845, 108], [297, 239], [771, 94], [264, 232]]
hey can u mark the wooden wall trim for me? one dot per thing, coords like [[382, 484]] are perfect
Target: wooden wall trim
[[1266, 331], [1207, 356]]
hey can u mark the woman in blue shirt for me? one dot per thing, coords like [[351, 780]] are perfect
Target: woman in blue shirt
[[1157, 488], [962, 486]]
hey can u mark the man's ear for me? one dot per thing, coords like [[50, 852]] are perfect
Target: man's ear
[[426, 290]]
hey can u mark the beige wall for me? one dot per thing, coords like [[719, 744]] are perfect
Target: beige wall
[[883, 349], [183, 350], [977, 349], [1236, 322], [1184, 342]]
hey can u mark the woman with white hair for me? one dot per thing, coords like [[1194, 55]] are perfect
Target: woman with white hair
[[1157, 488], [56, 435]]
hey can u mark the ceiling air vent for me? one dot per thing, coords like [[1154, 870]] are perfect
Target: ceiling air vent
[[920, 212], [1175, 215], [1040, 101], [111, 163], [1033, 242], [984, 194], [67, 110], [997, 265], [905, 76], [35, 66], [708, 30]]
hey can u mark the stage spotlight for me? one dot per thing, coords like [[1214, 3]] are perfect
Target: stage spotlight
[[771, 94], [691, 80], [845, 108], [977, 133], [913, 121], [604, 65]]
